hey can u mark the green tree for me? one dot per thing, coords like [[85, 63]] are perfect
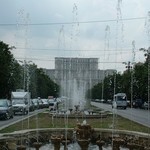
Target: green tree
[[45, 86], [141, 81], [6, 70]]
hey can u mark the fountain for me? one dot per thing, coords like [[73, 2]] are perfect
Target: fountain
[[83, 134], [56, 140], [37, 145]]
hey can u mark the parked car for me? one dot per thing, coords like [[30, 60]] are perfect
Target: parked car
[[31, 106], [36, 103], [45, 103], [128, 103], [97, 100], [146, 105], [40, 103], [138, 103], [109, 101], [6, 109]]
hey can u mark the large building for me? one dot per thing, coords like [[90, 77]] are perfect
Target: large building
[[81, 69], [76, 75]]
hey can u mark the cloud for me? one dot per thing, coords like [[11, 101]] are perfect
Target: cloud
[[75, 40]]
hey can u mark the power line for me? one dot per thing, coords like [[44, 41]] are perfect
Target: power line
[[53, 60], [56, 49], [60, 23]]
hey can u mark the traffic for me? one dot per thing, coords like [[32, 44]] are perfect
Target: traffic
[[22, 104], [120, 100]]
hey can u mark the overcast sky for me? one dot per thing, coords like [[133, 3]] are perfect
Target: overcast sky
[[111, 30]]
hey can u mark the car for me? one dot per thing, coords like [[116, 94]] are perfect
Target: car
[[35, 103], [109, 101], [31, 106], [138, 103], [97, 100], [128, 103], [6, 109], [146, 105], [40, 103], [45, 103]]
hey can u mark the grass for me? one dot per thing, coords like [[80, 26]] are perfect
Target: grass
[[44, 120]]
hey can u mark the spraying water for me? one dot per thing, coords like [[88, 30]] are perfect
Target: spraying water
[[119, 18], [147, 26]]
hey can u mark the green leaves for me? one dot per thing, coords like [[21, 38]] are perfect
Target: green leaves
[[28, 77], [132, 82]]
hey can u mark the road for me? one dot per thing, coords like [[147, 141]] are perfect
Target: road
[[17, 118], [140, 116]]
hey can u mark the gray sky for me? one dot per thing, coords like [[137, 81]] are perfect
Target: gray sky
[[44, 29]]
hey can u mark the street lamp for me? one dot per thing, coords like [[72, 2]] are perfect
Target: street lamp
[[128, 65], [147, 52]]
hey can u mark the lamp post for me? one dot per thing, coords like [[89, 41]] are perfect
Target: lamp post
[[128, 65]]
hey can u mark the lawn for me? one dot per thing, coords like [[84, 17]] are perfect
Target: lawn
[[45, 120]]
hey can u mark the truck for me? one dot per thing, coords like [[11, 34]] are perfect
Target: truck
[[119, 100], [20, 102]]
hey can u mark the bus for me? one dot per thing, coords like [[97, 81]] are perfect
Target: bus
[[119, 100]]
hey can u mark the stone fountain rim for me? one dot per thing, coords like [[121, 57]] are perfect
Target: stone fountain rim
[[103, 130]]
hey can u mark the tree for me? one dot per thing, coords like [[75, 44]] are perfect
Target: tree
[[6, 70], [44, 85], [141, 80]]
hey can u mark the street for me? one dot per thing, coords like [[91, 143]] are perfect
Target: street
[[17, 118], [140, 116]]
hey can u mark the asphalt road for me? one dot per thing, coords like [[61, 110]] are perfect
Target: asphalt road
[[17, 118], [140, 116]]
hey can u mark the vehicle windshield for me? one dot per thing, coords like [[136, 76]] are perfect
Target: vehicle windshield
[[35, 100], [3, 103], [51, 104], [18, 102], [121, 98]]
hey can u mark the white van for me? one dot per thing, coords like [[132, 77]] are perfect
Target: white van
[[120, 100]]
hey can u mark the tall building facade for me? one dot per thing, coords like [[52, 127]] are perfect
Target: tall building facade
[[76, 75], [84, 69]]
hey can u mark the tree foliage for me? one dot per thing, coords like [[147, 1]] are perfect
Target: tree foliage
[[133, 82], [26, 76], [6, 70]]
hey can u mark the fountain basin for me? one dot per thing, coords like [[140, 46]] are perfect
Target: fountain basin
[[106, 135]]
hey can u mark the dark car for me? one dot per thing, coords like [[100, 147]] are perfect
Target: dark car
[[35, 103], [138, 103], [40, 103], [31, 106], [6, 109]]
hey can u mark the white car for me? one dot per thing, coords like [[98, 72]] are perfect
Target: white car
[[146, 105], [53, 105]]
